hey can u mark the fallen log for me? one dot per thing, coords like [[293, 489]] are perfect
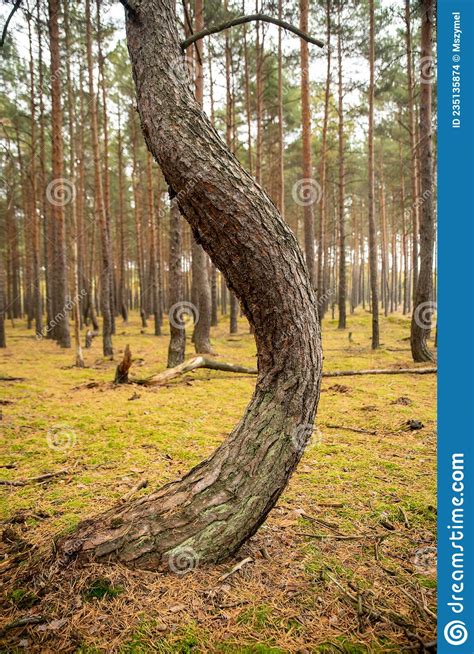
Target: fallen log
[[202, 362], [33, 480], [386, 371], [193, 364]]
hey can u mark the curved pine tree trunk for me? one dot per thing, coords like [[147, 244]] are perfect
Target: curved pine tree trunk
[[206, 516]]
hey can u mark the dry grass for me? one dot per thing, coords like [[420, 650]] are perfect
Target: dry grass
[[301, 593]]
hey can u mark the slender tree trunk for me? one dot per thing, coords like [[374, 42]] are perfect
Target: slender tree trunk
[[248, 112], [372, 229], [155, 291], [13, 254], [42, 172], [259, 98], [342, 175], [177, 344], [394, 271], [137, 203], [57, 203], [423, 305], [383, 241], [405, 296], [310, 196], [413, 147], [3, 338], [322, 253], [202, 291], [214, 299], [281, 137], [206, 516], [35, 245], [105, 155], [100, 206], [73, 179], [122, 300], [234, 305]]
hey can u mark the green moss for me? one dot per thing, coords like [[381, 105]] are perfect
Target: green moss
[[102, 589], [22, 598], [167, 430]]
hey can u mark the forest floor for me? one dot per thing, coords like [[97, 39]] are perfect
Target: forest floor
[[374, 592]]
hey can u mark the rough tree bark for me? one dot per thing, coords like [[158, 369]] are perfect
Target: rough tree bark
[[322, 249], [200, 280], [79, 358], [122, 303], [100, 203], [307, 182], [423, 305], [61, 329], [35, 225], [413, 146], [229, 123], [3, 339], [177, 344], [374, 295], [342, 176], [207, 515]]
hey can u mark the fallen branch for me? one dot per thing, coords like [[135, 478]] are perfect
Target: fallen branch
[[141, 484], [238, 566], [7, 378], [32, 480], [355, 429], [382, 614], [202, 362], [23, 622], [387, 371], [193, 364]]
